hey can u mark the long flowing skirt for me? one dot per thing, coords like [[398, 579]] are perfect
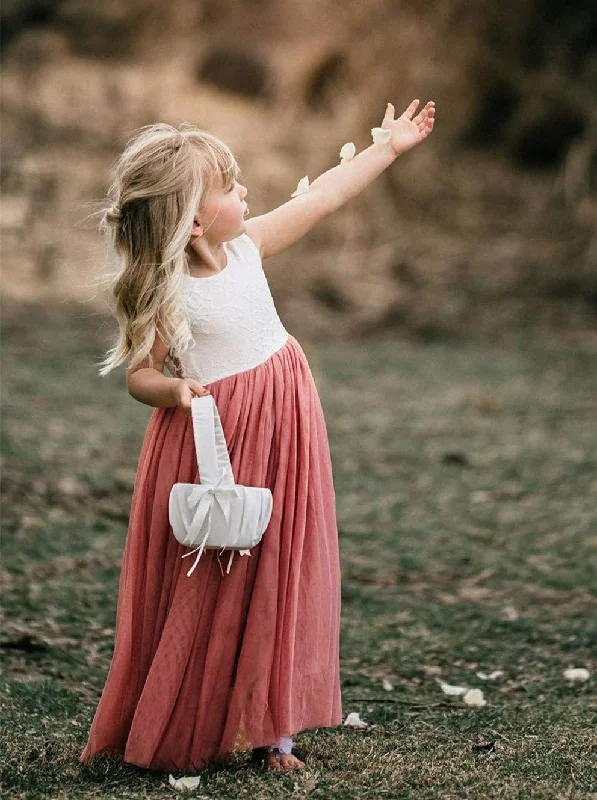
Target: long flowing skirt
[[213, 662]]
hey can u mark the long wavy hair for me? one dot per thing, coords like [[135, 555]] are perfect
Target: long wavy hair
[[161, 180]]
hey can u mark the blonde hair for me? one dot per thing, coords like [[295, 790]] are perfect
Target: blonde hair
[[161, 180]]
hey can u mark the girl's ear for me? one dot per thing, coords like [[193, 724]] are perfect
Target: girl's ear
[[197, 229]]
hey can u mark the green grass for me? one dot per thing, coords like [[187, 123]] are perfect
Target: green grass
[[466, 480]]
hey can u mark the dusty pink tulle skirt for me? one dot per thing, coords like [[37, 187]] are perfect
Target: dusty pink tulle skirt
[[211, 663]]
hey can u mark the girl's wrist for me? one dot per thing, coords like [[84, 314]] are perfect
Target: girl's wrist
[[174, 386], [389, 148]]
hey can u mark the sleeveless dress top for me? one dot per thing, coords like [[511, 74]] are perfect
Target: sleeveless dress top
[[233, 319]]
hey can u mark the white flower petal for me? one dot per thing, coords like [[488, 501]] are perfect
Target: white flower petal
[[191, 782], [381, 135], [302, 187], [186, 782], [355, 721], [576, 674], [489, 677], [347, 152], [474, 697], [387, 685], [455, 690]]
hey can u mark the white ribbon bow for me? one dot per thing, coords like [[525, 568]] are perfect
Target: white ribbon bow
[[204, 500]]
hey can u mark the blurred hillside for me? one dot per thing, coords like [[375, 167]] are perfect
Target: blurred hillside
[[489, 225]]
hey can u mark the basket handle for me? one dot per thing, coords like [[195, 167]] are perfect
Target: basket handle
[[213, 458]]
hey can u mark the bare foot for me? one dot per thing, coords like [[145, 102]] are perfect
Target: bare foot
[[276, 761], [289, 761], [271, 762]]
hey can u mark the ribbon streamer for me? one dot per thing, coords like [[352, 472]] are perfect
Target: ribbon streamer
[[204, 500]]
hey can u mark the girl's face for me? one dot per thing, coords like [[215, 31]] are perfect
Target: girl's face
[[224, 213]]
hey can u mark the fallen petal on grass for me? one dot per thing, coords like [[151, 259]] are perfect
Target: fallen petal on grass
[[576, 674], [453, 690], [489, 676], [474, 697], [354, 721], [181, 784]]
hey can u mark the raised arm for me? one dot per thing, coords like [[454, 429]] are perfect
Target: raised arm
[[278, 229]]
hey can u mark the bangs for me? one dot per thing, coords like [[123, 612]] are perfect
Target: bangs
[[229, 174], [225, 167], [217, 162]]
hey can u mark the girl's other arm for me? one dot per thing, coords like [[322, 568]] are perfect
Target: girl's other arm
[[278, 229], [149, 385]]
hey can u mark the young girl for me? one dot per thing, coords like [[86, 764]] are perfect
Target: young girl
[[207, 663]]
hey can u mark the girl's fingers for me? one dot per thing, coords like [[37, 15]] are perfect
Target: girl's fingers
[[197, 387], [425, 113], [185, 399], [190, 388], [389, 115], [411, 109]]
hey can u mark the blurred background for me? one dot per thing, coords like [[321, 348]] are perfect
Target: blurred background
[[489, 225], [449, 316]]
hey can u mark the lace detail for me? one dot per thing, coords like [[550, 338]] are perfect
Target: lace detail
[[233, 319]]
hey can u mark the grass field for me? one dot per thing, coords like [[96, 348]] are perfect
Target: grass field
[[466, 480]]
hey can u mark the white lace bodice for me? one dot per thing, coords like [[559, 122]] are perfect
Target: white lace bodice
[[233, 319]]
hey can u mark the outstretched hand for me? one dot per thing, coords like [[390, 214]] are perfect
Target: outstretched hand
[[407, 132]]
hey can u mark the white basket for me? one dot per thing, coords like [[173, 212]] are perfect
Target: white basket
[[216, 513]]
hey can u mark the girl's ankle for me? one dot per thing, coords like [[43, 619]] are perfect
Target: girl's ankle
[[283, 746]]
